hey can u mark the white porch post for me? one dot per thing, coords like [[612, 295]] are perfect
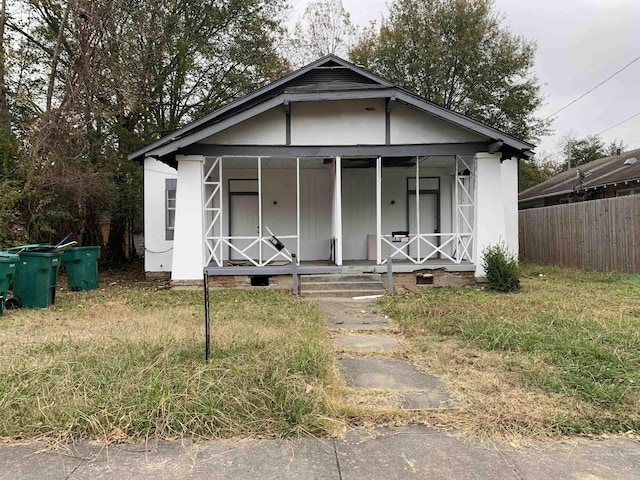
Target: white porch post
[[188, 243], [260, 210], [298, 253], [222, 194], [378, 211], [509, 170], [490, 220], [337, 211], [456, 210], [418, 240]]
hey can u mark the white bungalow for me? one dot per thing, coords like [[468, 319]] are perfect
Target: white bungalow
[[336, 168]]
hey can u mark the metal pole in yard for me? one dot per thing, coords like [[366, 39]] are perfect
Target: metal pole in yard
[[389, 276], [207, 327], [294, 274]]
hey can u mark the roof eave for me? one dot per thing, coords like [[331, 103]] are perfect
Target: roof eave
[[161, 146], [177, 134], [575, 190]]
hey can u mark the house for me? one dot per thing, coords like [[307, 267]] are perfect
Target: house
[[336, 166], [607, 177]]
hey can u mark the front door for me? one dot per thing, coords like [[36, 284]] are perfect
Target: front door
[[243, 222], [429, 215]]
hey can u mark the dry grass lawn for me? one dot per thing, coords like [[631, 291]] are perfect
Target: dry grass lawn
[[127, 362], [562, 356]]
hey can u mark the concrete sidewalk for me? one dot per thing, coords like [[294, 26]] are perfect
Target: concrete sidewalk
[[412, 452]]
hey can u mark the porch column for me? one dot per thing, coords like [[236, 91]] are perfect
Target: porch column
[[490, 220], [188, 243], [298, 232], [337, 211], [379, 211], [509, 170]]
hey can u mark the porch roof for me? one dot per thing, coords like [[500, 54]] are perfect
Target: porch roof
[[329, 78]]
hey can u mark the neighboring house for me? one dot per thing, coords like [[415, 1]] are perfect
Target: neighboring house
[[343, 168], [607, 177]]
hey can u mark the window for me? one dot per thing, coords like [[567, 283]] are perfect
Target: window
[[170, 207], [630, 191]]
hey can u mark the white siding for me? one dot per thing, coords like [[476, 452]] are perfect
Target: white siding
[[490, 218], [358, 211], [509, 171], [188, 251], [279, 186], [359, 204], [412, 126], [268, 128], [158, 251], [316, 215], [348, 122]]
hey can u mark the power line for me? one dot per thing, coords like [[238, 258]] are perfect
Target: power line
[[598, 85], [617, 124]]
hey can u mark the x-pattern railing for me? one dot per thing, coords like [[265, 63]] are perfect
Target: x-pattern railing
[[254, 241], [436, 243], [213, 207]]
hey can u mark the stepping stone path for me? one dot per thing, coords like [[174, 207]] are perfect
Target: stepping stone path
[[369, 360]]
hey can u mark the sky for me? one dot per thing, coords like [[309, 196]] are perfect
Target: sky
[[580, 44]]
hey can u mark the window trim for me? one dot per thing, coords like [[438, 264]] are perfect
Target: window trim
[[170, 185]]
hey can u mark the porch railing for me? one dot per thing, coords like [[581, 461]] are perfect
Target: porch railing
[[455, 247], [272, 250]]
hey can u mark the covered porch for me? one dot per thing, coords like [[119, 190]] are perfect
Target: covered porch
[[330, 214]]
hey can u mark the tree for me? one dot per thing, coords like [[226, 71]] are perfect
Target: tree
[[457, 53], [97, 79], [325, 27], [10, 188], [532, 171], [579, 151]]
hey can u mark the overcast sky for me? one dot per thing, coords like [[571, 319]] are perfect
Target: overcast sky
[[580, 43]]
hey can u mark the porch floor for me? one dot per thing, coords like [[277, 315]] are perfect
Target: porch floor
[[349, 266]]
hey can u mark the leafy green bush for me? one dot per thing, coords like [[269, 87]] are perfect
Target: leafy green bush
[[502, 268]]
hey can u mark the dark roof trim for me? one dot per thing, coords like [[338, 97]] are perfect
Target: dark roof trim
[[199, 129], [188, 139], [461, 120], [432, 149], [356, 94], [261, 91]]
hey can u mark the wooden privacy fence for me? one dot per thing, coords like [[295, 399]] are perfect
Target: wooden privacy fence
[[598, 234]]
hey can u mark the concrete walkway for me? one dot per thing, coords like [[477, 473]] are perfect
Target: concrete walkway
[[366, 345], [370, 358], [406, 453]]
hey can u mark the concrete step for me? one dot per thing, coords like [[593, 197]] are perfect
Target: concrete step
[[339, 293], [316, 286], [341, 285], [364, 277]]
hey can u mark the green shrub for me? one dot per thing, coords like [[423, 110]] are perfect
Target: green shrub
[[502, 268]]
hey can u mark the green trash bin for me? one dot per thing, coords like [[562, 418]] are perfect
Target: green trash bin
[[82, 267], [8, 264], [34, 283]]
